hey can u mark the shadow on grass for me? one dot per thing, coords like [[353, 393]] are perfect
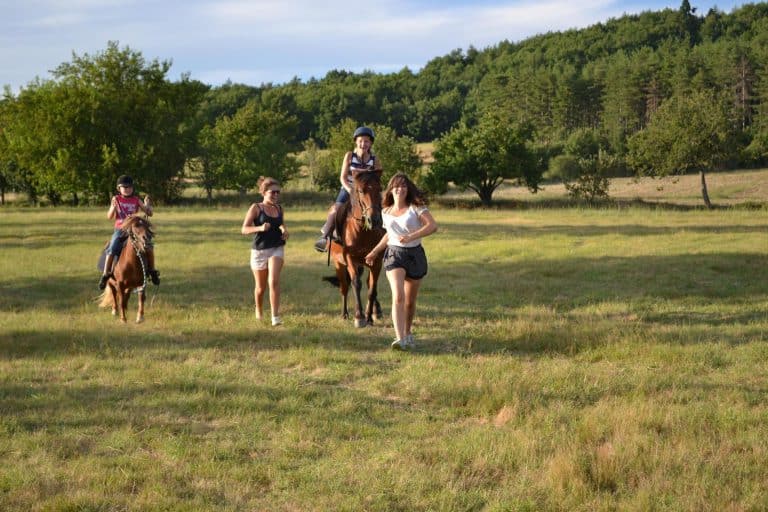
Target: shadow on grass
[[477, 296], [180, 403], [468, 232]]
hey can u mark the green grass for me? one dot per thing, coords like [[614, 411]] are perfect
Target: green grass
[[570, 359]]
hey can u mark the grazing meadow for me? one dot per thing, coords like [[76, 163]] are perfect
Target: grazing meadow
[[569, 358]]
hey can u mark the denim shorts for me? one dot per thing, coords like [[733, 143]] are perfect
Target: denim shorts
[[343, 196], [412, 259], [116, 243]]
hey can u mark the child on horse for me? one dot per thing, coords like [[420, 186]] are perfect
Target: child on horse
[[123, 205], [359, 160]]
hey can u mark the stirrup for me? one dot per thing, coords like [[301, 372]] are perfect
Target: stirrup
[[154, 275]]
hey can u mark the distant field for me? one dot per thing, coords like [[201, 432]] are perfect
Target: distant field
[[725, 188], [610, 358]]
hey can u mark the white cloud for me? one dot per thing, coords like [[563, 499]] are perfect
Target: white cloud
[[256, 41]]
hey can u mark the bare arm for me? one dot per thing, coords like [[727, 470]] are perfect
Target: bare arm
[[428, 226], [146, 206], [112, 212], [344, 174], [371, 256], [283, 229], [248, 228]]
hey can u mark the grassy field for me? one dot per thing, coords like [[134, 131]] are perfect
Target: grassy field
[[569, 359]]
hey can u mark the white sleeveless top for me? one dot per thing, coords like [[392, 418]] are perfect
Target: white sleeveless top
[[406, 223]]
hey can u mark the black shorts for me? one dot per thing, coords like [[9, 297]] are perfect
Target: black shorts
[[412, 259]]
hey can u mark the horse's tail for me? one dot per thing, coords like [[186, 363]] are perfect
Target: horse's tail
[[333, 280], [107, 301]]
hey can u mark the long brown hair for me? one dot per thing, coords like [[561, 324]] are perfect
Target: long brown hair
[[413, 197]]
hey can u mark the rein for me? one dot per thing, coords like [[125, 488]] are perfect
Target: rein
[[140, 255]]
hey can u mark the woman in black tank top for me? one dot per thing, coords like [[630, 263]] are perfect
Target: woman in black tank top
[[265, 221]]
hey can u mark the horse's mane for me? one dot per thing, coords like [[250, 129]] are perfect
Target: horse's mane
[[366, 177], [140, 227]]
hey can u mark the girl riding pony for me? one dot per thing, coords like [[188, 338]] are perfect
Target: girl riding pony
[[123, 205]]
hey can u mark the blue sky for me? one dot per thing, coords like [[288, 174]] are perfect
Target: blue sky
[[261, 41]]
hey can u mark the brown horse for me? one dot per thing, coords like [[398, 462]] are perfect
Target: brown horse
[[130, 272], [360, 228]]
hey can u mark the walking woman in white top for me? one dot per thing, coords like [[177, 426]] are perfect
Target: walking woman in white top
[[407, 220]]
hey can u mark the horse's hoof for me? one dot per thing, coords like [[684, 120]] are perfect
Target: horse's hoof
[[359, 322], [114, 312], [140, 319]]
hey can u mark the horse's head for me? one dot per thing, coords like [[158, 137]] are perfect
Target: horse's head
[[140, 231], [366, 199]]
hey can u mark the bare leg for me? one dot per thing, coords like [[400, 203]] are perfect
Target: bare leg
[[396, 278], [411, 288], [260, 278], [275, 265]]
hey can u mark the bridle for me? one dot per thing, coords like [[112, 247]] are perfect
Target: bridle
[[140, 249], [365, 219]]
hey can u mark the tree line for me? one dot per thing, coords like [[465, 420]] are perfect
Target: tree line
[[656, 93]]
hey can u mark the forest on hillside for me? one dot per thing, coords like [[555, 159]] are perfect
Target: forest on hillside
[[657, 93]]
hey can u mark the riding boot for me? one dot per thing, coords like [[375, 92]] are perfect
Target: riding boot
[[321, 244], [153, 273], [107, 271]]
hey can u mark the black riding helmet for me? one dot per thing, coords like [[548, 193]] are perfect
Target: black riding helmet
[[124, 181], [363, 130]]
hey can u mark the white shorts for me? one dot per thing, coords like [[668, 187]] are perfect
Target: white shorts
[[260, 257]]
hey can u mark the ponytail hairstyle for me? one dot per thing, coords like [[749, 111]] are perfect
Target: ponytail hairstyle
[[265, 182]]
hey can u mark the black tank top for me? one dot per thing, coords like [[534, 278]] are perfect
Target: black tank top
[[273, 236]]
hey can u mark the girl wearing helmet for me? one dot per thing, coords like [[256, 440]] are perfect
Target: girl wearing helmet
[[123, 205], [359, 160]]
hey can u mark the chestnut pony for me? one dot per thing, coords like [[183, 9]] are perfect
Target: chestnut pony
[[360, 227], [130, 271]]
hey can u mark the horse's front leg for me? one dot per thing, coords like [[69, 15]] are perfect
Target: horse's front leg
[[373, 308], [115, 302], [140, 312], [357, 285], [122, 301]]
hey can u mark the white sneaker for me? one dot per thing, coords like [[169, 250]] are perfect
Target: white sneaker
[[409, 342], [276, 320], [398, 345]]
